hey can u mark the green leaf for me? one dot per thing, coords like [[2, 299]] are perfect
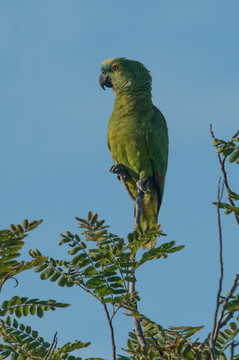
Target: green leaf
[[40, 268], [54, 276], [15, 323], [62, 281], [221, 148], [80, 260], [46, 273], [233, 326], [8, 321], [102, 291], [220, 340], [40, 311], [21, 327], [33, 309], [114, 279], [233, 305], [19, 312], [107, 300], [5, 305], [94, 282], [228, 332], [234, 156], [15, 300], [228, 151], [28, 330], [233, 195], [118, 291], [90, 270], [35, 333]]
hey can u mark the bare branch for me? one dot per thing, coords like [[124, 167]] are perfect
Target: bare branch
[[51, 348], [137, 326], [224, 305], [111, 331], [237, 133], [233, 346], [214, 333], [232, 351], [224, 318]]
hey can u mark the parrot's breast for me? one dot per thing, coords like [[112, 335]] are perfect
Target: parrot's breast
[[127, 142]]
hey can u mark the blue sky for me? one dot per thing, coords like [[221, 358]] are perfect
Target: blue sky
[[54, 155]]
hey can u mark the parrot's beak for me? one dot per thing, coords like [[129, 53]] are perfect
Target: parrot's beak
[[105, 80]]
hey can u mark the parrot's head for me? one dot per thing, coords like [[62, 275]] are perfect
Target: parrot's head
[[124, 76]]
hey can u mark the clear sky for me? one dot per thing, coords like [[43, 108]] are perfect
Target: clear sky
[[54, 156]]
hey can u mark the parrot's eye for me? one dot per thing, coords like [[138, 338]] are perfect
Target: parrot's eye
[[115, 67]]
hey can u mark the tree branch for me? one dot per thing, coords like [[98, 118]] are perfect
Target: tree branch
[[111, 331], [222, 164], [214, 333], [137, 326], [233, 345], [223, 318], [51, 348]]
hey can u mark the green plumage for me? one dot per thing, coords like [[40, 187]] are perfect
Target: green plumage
[[137, 133]]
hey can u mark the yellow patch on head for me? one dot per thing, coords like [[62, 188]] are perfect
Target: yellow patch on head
[[107, 62]]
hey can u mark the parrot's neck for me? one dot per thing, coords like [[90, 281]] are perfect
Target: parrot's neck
[[128, 103]]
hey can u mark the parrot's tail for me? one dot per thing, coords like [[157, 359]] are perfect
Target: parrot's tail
[[149, 217], [150, 208]]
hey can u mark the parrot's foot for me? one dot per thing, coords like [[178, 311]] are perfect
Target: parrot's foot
[[120, 170], [122, 176], [142, 186]]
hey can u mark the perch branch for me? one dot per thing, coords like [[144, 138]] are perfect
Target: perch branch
[[137, 326], [111, 331]]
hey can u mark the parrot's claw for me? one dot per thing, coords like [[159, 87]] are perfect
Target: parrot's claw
[[122, 176], [120, 170], [143, 185]]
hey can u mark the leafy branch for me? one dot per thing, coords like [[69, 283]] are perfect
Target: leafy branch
[[20, 342], [104, 270], [228, 150]]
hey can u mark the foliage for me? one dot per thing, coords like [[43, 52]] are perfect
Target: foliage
[[22, 342], [228, 150], [105, 266]]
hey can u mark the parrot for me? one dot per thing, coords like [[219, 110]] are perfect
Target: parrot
[[137, 138]]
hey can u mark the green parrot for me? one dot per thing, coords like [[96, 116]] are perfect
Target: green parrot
[[137, 138]]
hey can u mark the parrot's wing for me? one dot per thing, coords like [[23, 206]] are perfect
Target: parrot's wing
[[157, 139]]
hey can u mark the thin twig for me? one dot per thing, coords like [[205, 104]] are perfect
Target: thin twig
[[233, 345], [223, 318], [232, 351], [237, 133], [52, 348], [137, 326], [214, 333], [111, 331], [225, 302], [222, 164]]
